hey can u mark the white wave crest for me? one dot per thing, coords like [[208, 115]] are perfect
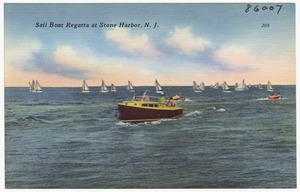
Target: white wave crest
[[221, 110], [194, 113]]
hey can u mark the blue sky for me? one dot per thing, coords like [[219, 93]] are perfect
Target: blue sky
[[193, 42]]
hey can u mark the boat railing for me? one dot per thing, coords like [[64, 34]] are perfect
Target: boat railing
[[144, 98]]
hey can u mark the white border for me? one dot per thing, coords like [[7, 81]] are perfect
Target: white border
[[2, 124]]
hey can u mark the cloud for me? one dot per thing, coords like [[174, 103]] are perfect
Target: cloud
[[20, 51], [236, 57], [246, 63], [183, 40], [77, 63], [83, 64], [134, 44]]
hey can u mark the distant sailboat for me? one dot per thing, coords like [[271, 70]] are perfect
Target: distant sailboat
[[103, 88], [158, 87], [129, 87], [225, 87], [35, 87], [113, 88], [216, 86], [196, 87], [30, 87], [241, 87], [201, 86], [260, 87], [85, 88], [269, 87]]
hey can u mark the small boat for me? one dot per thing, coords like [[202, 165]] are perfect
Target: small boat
[[269, 87], [35, 87], [158, 88], [103, 88], [196, 87], [216, 86], [129, 87], [113, 88], [178, 97], [85, 87], [274, 96], [144, 110], [241, 87], [30, 87], [202, 87], [260, 87], [226, 88]]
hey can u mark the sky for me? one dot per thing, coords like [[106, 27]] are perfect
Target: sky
[[183, 43]]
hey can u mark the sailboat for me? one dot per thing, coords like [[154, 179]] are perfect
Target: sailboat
[[30, 87], [85, 88], [260, 87], [201, 86], [158, 87], [216, 86], [196, 87], [113, 88], [269, 87], [225, 87], [241, 87], [35, 87], [103, 88], [129, 87]]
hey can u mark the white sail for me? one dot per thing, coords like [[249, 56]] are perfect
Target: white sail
[[158, 87], [216, 86], [103, 88], [35, 87], [85, 88], [260, 87], [225, 87], [196, 87], [269, 87], [113, 88], [130, 87], [38, 87], [30, 87], [201, 86], [242, 86]]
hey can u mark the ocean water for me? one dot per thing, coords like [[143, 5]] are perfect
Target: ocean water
[[62, 138]]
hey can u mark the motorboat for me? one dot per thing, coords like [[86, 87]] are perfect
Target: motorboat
[[144, 110]]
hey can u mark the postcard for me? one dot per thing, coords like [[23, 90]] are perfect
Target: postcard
[[150, 95]]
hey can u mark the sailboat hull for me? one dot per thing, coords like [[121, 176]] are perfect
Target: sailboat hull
[[274, 97], [140, 111]]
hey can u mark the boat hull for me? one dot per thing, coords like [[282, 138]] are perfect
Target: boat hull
[[134, 112], [274, 97]]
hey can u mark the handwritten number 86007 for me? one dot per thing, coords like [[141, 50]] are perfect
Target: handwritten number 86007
[[263, 8]]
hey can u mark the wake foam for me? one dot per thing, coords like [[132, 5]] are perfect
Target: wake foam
[[221, 110], [194, 113]]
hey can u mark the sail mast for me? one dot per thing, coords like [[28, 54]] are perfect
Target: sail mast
[[158, 87]]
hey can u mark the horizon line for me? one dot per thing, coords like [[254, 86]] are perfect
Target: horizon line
[[138, 86]]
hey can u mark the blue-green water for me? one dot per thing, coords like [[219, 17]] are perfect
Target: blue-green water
[[62, 138]]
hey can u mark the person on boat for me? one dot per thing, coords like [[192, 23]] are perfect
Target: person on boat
[[171, 102], [162, 98], [145, 97]]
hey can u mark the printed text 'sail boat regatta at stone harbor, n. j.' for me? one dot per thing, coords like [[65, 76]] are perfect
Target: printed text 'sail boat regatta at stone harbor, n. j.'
[[94, 25]]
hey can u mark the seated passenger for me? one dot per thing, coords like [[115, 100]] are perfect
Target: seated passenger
[[171, 102]]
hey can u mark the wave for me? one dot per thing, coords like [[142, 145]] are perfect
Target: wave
[[266, 99], [194, 113], [188, 100], [157, 122], [221, 110]]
